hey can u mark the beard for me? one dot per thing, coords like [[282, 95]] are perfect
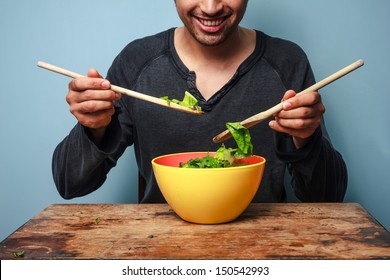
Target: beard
[[211, 40]]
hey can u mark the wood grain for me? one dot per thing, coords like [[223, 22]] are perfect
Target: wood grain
[[154, 231]]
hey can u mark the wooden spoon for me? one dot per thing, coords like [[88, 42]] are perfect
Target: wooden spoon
[[251, 121], [128, 92]]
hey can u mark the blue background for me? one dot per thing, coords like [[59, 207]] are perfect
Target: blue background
[[78, 35]]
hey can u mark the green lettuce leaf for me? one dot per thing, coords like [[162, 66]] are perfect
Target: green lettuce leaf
[[243, 139], [226, 157], [224, 154], [205, 162], [188, 101]]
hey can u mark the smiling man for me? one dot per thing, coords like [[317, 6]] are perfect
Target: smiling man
[[211, 23], [234, 72], [211, 43]]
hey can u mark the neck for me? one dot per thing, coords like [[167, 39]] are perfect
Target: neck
[[214, 65]]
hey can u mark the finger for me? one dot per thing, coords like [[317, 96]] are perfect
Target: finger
[[298, 124], [81, 84], [102, 95], [301, 113], [90, 95], [91, 106], [307, 99], [303, 132]]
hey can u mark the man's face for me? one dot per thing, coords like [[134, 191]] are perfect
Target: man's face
[[211, 22]]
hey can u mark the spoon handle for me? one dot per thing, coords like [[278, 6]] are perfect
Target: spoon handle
[[122, 90]]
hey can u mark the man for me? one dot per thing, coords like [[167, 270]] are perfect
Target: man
[[234, 72]]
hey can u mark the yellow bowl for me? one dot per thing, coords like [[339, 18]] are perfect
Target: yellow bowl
[[207, 196]]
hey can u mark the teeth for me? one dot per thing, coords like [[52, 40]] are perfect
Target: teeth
[[211, 22]]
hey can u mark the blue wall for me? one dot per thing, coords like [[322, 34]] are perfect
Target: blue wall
[[77, 35]]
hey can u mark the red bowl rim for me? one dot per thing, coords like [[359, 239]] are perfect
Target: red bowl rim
[[185, 156]]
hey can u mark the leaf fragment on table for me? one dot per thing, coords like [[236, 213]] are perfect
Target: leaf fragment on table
[[19, 254]]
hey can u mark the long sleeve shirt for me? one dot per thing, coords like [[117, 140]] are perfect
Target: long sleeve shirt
[[151, 65]]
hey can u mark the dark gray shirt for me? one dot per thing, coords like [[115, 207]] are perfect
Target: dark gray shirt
[[152, 66]]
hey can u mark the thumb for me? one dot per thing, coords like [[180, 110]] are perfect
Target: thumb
[[93, 73], [288, 94]]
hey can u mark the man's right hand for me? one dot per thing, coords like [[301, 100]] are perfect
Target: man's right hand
[[91, 101]]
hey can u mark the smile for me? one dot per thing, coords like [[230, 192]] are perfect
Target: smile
[[210, 22]]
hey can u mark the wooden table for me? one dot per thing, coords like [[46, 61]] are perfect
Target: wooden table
[[153, 231]]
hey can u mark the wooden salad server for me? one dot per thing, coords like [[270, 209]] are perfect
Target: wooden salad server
[[122, 90], [255, 119]]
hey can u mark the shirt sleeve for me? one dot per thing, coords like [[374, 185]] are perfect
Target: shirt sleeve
[[318, 171], [79, 167]]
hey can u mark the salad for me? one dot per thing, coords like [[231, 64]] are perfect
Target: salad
[[226, 157], [188, 101]]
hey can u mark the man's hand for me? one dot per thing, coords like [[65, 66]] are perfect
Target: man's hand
[[300, 117], [91, 101]]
